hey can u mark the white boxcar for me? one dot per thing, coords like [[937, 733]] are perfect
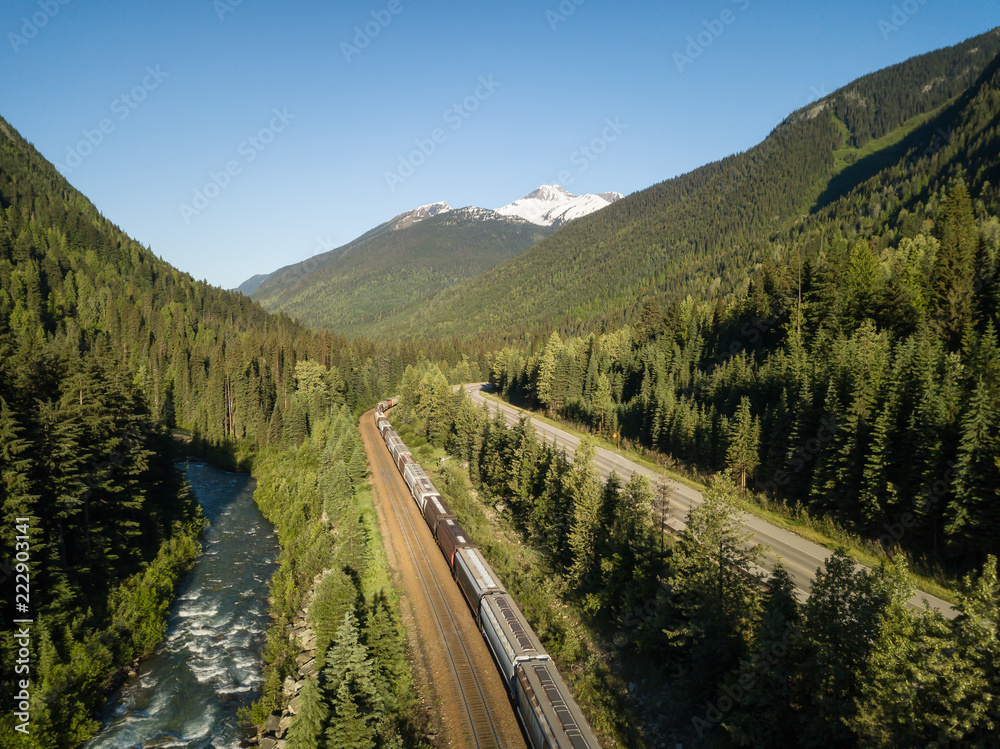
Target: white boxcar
[[398, 448], [509, 635], [549, 712], [421, 487]]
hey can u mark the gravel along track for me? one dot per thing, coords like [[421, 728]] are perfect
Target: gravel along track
[[453, 669]]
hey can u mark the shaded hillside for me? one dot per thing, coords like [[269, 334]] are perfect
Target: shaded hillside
[[394, 267], [103, 348], [702, 233]]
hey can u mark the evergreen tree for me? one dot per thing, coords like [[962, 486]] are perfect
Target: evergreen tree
[[954, 274], [586, 530], [350, 680], [335, 598], [307, 727], [842, 623], [764, 684], [743, 455], [545, 389], [975, 514]]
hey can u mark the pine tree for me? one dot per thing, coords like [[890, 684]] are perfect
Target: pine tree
[[975, 514], [842, 624], [382, 635], [349, 728], [586, 529], [546, 382], [350, 679], [334, 599], [307, 726], [718, 552], [296, 426], [765, 715], [743, 455], [954, 274], [603, 405]]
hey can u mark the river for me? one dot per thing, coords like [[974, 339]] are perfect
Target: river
[[209, 662]]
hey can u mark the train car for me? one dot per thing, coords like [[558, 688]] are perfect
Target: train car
[[399, 451], [421, 487], [390, 402], [405, 459], [434, 512], [510, 637], [384, 427], [413, 475], [475, 577], [548, 711], [398, 448], [389, 436], [451, 537]]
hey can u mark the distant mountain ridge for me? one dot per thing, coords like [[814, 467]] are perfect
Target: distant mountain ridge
[[402, 262], [703, 234]]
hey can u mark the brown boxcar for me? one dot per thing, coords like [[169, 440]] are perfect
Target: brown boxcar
[[451, 537]]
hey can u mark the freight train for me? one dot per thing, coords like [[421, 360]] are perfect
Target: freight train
[[548, 712]]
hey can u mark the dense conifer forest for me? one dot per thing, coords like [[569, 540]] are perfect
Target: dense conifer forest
[[685, 641], [104, 349], [857, 373], [392, 271], [816, 320]]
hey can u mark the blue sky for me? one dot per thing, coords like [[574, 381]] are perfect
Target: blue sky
[[236, 137]]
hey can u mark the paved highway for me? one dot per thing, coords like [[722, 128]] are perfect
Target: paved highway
[[801, 557]]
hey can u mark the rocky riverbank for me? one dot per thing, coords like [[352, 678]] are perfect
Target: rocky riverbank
[[273, 734]]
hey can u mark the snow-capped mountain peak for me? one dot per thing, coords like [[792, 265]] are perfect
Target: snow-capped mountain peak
[[552, 205], [419, 214]]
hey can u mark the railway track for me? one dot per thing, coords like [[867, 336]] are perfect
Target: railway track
[[480, 692]]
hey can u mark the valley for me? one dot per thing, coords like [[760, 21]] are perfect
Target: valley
[[223, 542]]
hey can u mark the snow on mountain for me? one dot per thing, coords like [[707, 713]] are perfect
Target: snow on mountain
[[551, 205], [419, 214]]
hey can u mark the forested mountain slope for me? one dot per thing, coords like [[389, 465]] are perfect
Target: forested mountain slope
[[702, 233], [103, 348], [858, 374], [394, 268]]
